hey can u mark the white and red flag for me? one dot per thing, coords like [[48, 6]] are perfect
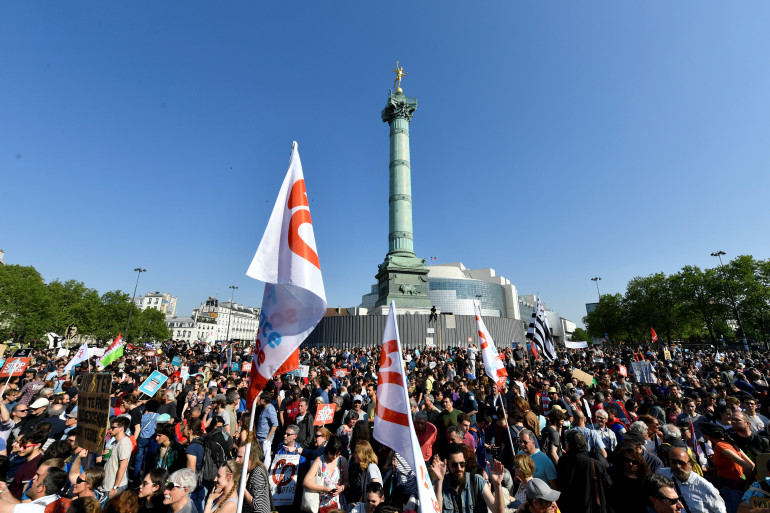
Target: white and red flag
[[294, 299], [493, 366], [80, 356], [393, 426], [654, 335]]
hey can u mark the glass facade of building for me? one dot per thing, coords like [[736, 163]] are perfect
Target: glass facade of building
[[457, 296]]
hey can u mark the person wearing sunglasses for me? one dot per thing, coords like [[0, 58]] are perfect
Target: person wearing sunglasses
[[85, 483], [116, 469], [697, 493], [662, 496], [30, 449], [178, 488], [462, 491]]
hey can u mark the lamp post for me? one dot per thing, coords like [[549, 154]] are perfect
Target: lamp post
[[139, 272], [230, 317], [596, 280], [719, 254]]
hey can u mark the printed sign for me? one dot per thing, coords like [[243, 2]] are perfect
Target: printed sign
[[236, 366], [302, 371], [246, 367], [429, 342], [623, 370], [575, 345], [14, 367], [324, 414], [643, 372], [666, 354], [283, 478], [176, 361], [93, 411], [184, 373], [152, 384], [341, 373], [431, 330], [24, 352], [149, 354], [63, 352], [470, 339]]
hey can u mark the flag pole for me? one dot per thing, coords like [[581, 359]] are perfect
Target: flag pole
[[246, 458]]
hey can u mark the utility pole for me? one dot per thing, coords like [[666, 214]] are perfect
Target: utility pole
[[139, 272], [596, 280], [230, 317], [719, 254]]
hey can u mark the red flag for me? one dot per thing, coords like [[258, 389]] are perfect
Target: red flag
[[291, 363], [534, 349], [654, 335]]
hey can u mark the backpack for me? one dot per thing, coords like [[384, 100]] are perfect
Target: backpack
[[216, 451]]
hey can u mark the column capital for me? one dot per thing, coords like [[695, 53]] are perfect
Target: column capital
[[399, 106]]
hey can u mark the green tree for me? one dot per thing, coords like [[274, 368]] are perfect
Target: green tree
[[113, 314], [702, 295], [614, 315], [581, 335], [24, 304]]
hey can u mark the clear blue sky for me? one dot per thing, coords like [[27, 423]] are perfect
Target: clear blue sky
[[554, 141]]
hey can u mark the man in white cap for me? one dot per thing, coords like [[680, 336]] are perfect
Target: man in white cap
[[358, 402]]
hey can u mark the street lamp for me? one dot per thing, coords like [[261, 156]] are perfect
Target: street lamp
[[139, 272], [230, 317], [596, 280], [719, 254]]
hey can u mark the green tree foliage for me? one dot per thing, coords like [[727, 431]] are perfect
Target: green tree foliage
[[692, 304], [581, 335], [29, 308]]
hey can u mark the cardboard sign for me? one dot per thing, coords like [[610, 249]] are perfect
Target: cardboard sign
[[324, 414], [152, 384], [760, 502], [623, 370], [583, 376], [246, 367], [14, 367], [283, 478], [24, 352], [176, 361], [3, 349], [93, 411], [643, 372]]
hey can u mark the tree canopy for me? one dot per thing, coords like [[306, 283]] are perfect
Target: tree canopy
[[692, 304], [30, 308]]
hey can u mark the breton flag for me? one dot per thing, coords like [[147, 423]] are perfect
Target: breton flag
[[493, 366], [393, 426], [287, 261], [654, 335], [540, 333], [113, 352], [80, 356]]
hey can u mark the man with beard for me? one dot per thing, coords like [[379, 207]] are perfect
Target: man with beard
[[697, 493], [466, 493]]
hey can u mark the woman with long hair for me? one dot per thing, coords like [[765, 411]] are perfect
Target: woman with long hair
[[124, 502], [87, 482], [151, 491], [628, 473], [364, 457], [332, 479], [256, 498], [223, 498]]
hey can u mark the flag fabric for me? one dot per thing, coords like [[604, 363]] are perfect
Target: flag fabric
[[492, 364], [533, 348], [540, 333], [654, 335], [80, 356], [694, 441], [113, 352], [393, 426], [230, 356], [719, 357], [287, 261]]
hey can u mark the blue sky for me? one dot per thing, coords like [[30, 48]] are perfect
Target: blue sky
[[553, 142]]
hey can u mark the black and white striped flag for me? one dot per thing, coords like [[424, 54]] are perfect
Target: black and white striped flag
[[540, 333]]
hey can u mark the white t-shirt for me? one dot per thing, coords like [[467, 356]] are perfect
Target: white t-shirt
[[37, 506]]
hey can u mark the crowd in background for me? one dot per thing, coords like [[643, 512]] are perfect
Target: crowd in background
[[694, 440]]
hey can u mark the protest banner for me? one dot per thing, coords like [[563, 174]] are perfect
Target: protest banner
[[246, 367], [63, 352], [325, 414], [575, 345], [149, 354], [429, 342], [93, 411], [583, 377], [236, 367], [14, 367], [623, 370], [176, 361], [643, 372], [283, 479], [341, 373], [152, 384], [184, 373]]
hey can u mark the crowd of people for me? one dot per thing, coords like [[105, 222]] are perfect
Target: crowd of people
[[548, 441]]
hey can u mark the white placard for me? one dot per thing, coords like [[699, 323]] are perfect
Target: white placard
[[283, 478]]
